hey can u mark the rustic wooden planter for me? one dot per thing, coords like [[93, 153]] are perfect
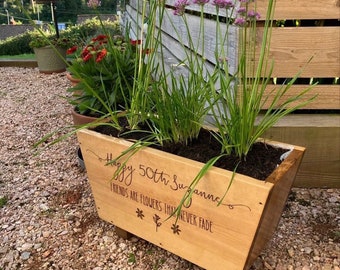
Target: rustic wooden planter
[[147, 190]]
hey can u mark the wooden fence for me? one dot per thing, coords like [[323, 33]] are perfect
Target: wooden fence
[[304, 29]]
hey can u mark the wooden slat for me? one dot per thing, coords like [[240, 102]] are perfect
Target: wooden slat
[[328, 96], [320, 134], [302, 9], [286, 9], [292, 47]]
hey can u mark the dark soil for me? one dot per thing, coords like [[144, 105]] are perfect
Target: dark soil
[[260, 162]]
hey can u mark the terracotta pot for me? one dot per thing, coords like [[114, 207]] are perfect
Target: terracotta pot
[[73, 80], [151, 183], [80, 119]]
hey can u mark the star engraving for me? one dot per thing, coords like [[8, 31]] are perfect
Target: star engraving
[[175, 229], [139, 213]]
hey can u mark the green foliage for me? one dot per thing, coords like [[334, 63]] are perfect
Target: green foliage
[[3, 201], [16, 45], [106, 69], [75, 34], [67, 10], [132, 258], [239, 117]]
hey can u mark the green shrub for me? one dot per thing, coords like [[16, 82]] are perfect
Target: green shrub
[[16, 45], [20, 44]]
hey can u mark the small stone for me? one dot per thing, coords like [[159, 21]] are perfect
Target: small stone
[[306, 267], [44, 207], [122, 246], [268, 266], [3, 250], [46, 253], [308, 250], [333, 199], [316, 258], [108, 239], [26, 247], [291, 252], [46, 234], [327, 267], [45, 194], [25, 255], [37, 246]]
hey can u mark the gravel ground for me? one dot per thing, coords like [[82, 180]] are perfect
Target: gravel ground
[[47, 214]]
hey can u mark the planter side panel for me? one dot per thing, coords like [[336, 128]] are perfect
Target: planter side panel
[[146, 192], [283, 178]]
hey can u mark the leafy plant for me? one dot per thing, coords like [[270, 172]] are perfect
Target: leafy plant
[[105, 67], [239, 118], [3, 201], [20, 44], [41, 38], [132, 258], [174, 103]]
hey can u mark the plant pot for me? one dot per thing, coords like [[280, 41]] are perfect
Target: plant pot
[[73, 80], [152, 183], [80, 159], [49, 61], [80, 119]]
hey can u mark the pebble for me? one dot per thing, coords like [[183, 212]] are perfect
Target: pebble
[[291, 252], [26, 247], [44, 207], [308, 250], [25, 255]]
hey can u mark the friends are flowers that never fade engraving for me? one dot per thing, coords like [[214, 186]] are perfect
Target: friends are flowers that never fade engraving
[[122, 185]]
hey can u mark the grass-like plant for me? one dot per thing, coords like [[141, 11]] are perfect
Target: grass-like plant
[[239, 117], [174, 103]]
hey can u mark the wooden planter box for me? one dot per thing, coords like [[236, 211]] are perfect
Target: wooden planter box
[[148, 189]]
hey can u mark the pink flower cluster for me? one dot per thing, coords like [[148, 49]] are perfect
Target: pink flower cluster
[[243, 13], [94, 3]]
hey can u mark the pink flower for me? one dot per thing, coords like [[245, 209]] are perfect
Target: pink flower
[[253, 15], [240, 21], [223, 3], [94, 3], [180, 7], [242, 11]]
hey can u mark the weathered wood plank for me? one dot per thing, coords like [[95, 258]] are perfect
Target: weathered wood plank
[[292, 47], [328, 96], [320, 134], [286, 9], [302, 9]]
